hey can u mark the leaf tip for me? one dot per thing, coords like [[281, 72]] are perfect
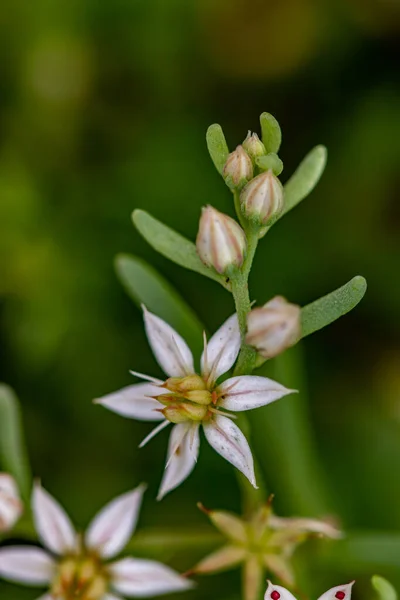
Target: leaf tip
[[359, 283]]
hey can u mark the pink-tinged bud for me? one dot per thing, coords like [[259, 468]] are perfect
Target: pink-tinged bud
[[273, 327], [254, 146], [262, 198], [10, 503], [221, 242], [238, 167]]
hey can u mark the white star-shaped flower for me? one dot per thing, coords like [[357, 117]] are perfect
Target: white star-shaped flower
[[76, 566], [188, 399], [340, 592]]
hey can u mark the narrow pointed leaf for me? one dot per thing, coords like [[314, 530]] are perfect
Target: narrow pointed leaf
[[217, 146], [271, 132], [13, 456], [172, 245], [327, 309], [305, 178], [146, 286], [385, 589]]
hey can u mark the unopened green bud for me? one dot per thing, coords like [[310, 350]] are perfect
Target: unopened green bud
[[262, 198], [221, 242], [254, 146], [238, 168], [182, 385], [203, 397], [184, 411]]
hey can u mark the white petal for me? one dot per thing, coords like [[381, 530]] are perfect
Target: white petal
[[24, 564], [135, 402], [182, 455], [170, 349], [228, 440], [48, 597], [145, 578], [112, 527], [339, 589], [10, 504], [300, 524], [221, 351], [284, 593], [52, 522], [250, 391], [109, 597]]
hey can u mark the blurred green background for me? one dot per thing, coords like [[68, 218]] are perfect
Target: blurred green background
[[103, 109]]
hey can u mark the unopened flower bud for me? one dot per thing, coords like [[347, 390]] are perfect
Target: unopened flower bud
[[238, 167], [254, 146], [221, 242], [10, 503], [262, 198], [273, 327]]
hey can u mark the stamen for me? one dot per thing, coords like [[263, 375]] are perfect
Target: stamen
[[146, 377], [222, 413], [154, 432]]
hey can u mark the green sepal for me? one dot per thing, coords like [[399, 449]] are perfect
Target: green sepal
[[147, 286], [172, 245], [385, 589], [13, 455], [327, 309], [305, 178], [271, 134], [270, 161], [217, 146]]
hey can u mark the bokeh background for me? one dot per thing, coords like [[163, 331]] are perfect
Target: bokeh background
[[103, 109]]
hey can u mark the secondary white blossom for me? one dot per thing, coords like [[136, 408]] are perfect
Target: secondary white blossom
[[188, 399], [75, 566], [340, 592], [10, 503]]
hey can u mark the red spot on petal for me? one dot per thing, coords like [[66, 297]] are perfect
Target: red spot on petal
[[275, 595], [340, 595]]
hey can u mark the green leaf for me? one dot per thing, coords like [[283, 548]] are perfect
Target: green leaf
[[173, 245], [217, 146], [271, 132], [146, 286], [385, 589], [327, 309], [270, 161], [305, 178], [13, 454]]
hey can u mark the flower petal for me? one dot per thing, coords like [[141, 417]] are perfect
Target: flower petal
[[252, 578], [49, 597], [25, 564], [221, 351], [228, 440], [110, 597], [52, 522], [284, 593], [304, 525], [135, 402], [112, 527], [145, 578], [170, 349], [11, 506], [339, 589], [280, 567], [228, 524], [249, 391], [222, 559], [183, 450]]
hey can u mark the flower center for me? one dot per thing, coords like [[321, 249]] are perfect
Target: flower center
[[189, 399], [80, 578]]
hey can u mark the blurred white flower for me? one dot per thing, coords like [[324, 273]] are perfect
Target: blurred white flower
[[189, 400], [75, 566], [340, 592], [10, 504]]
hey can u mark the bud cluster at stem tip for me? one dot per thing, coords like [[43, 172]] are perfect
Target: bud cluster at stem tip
[[274, 327], [262, 198], [221, 242], [254, 146]]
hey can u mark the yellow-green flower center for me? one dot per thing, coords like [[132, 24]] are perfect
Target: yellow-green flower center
[[80, 578], [190, 399]]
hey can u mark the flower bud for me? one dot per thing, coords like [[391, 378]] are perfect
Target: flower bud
[[238, 167], [262, 198], [254, 146], [184, 411], [273, 327], [10, 503], [221, 242]]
